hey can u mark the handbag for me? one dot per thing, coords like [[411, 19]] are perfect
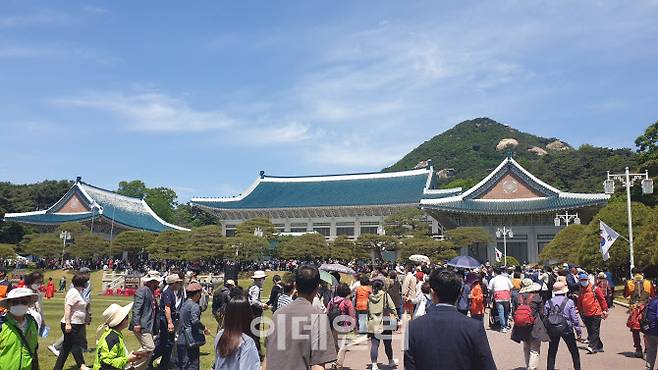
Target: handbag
[[194, 338], [389, 314]]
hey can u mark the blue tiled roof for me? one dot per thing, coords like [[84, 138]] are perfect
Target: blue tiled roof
[[49, 218], [535, 205], [127, 211], [348, 190]]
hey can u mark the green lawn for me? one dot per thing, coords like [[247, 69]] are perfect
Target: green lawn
[[54, 309]]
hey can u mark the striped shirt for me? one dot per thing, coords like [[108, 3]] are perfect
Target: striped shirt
[[283, 300]]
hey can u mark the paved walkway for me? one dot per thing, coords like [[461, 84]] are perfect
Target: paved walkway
[[509, 355]]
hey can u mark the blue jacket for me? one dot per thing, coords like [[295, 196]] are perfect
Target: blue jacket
[[652, 312], [446, 339]]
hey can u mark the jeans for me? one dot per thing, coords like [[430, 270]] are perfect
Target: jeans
[[531, 353], [374, 345], [188, 358], [553, 345], [637, 342], [503, 312], [651, 342], [362, 320], [73, 343], [164, 347], [593, 325]]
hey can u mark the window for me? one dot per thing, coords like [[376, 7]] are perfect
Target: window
[[230, 230], [345, 228], [322, 228], [369, 227], [298, 227], [280, 227]]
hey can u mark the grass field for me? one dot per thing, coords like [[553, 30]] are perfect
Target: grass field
[[54, 309]]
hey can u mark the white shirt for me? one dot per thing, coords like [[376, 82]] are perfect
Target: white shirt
[[78, 306], [500, 282]]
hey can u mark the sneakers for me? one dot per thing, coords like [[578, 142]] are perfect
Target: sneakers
[[639, 354], [374, 366], [503, 330], [394, 362], [54, 350], [590, 350]]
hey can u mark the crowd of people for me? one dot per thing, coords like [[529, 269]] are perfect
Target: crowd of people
[[315, 320]]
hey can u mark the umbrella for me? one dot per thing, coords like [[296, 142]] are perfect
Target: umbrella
[[327, 277], [419, 258], [337, 267], [465, 262]]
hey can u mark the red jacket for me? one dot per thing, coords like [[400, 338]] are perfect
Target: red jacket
[[591, 302]]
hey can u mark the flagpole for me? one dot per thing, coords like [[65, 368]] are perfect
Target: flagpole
[[630, 218]]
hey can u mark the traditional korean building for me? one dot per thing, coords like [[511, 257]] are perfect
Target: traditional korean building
[[108, 212], [332, 205], [512, 197]]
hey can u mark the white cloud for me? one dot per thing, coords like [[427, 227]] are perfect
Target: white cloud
[[349, 155], [293, 132], [151, 112], [47, 17]]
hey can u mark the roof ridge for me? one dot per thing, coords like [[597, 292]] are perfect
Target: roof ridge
[[382, 174], [110, 191]]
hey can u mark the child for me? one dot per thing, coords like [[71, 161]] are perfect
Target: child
[[111, 349]]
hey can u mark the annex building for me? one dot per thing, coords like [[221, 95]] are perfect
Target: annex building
[[108, 212]]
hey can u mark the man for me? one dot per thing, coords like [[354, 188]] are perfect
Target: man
[[145, 309], [638, 291], [219, 300], [274, 293], [257, 307], [592, 307], [285, 297], [501, 286], [572, 282], [443, 338], [301, 336], [167, 318], [19, 335], [409, 291]]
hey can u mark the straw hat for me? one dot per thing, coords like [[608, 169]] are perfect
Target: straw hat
[[193, 287], [533, 287], [18, 293], [560, 288], [172, 279], [152, 276], [115, 314], [602, 275], [260, 274]]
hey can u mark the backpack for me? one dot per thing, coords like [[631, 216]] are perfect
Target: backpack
[[645, 319], [523, 316], [333, 313], [556, 323]]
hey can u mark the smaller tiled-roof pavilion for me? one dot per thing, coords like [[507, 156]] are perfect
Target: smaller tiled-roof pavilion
[[111, 212]]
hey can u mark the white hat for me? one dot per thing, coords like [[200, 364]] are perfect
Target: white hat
[[115, 314], [534, 287], [152, 276], [399, 269], [260, 274], [18, 293], [230, 282], [172, 279]]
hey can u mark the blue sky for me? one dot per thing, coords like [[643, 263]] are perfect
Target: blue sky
[[201, 97]]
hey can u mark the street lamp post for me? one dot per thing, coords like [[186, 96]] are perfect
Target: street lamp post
[[567, 218], [64, 235], [628, 179], [504, 232]]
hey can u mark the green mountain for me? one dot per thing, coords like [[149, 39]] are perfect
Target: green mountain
[[472, 149]]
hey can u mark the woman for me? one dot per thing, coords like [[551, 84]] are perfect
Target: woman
[[190, 320], [235, 349], [341, 328], [565, 306], [361, 294], [73, 323], [477, 298], [111, 352], [14, 353], [423, 299], [50, 288], [34, 281], [530, 335], [381, 310]]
